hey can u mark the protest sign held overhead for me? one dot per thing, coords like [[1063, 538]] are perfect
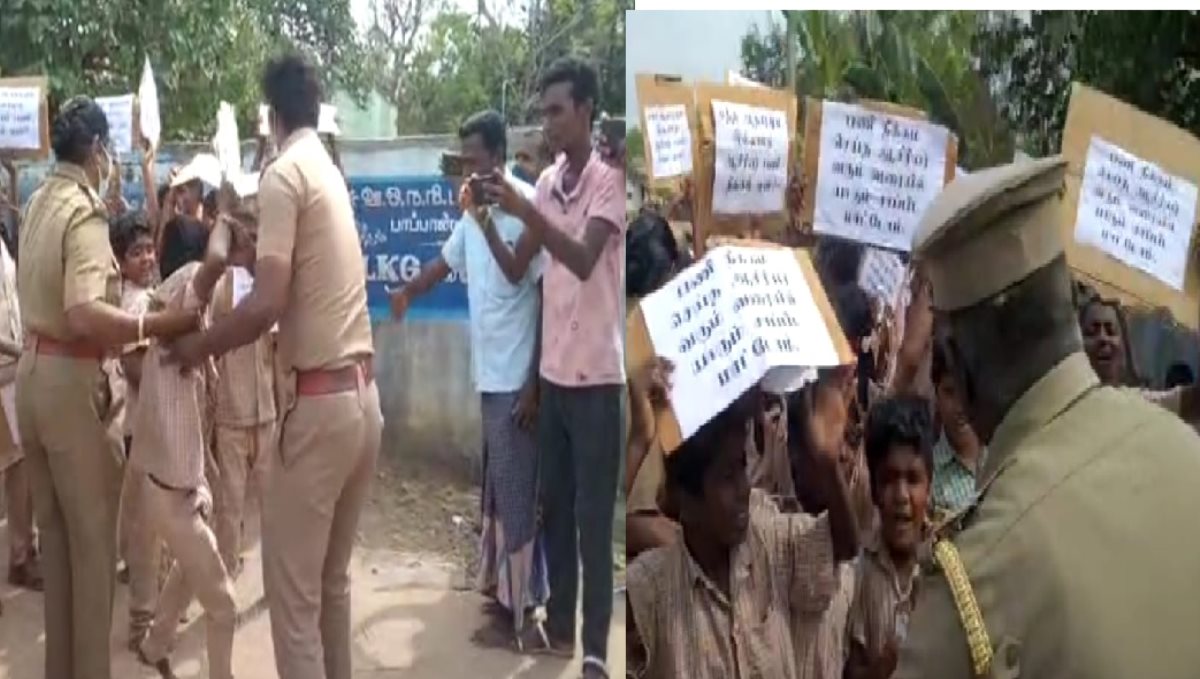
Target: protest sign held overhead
[[1136, 212], [24, 118], [746, 314], [148, 112], [875, 172], [121, 128], [225, 142], [668, 123], [745, 161], [1130, 213], [327, 120]]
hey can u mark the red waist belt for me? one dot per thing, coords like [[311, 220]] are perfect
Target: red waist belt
[[48, 346], [335, 380]]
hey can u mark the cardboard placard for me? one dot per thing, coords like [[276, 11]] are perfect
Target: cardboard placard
[[813, 119], [769, 226], [41, 83], [1093, 114], [640, 349], [124, 126], [666, 94]]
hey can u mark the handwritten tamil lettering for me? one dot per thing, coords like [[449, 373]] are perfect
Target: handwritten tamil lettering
[[1136, 212], [876, 175], [751, 159], [670, 141], [739, 317], [119, 111], [19, 118]]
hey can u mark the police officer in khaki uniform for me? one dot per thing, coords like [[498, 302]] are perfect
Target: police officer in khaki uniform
[[69, 286], [1080, 557], [309, 276]]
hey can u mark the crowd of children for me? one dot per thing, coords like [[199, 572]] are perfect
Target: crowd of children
[[741, 561]]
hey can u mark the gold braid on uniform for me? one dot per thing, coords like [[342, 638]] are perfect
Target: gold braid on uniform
[[978, 642]]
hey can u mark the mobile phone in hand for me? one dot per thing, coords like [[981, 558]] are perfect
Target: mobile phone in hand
[[479, 185]]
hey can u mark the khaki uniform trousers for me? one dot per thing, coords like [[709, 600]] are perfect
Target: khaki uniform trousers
[[197, 573], [242, 457], [73, 454], [315, 493]]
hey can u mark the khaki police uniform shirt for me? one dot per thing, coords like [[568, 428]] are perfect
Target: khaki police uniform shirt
[[245, 391], [68, 262], [68, 258], [1082, 551], [306, 220]]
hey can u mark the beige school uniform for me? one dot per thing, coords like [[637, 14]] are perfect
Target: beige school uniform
[[245, 424], [169, 444], [18, 498], [782, 573], [68, 419], [328, 443], [139, 546]]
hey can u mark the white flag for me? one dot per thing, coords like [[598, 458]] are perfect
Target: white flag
[[225, 142]]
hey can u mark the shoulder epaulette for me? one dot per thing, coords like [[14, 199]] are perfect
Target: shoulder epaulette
[[978, 642]]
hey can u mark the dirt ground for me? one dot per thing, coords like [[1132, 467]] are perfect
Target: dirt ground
[[415, 615]]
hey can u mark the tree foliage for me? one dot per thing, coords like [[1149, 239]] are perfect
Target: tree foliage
[[436, 66], [1148, 59], [202, 51], [919, 59]]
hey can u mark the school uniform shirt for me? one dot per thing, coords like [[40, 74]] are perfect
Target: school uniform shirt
[[883, 599], [169, 439], [953, 485], [135, 300], [503, 317], [10, 329], [245, 387], [689, 628]]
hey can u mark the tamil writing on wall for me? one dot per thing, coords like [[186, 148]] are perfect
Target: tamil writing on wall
[[1136, 212], [750, 165], [876, 174], [403, 223]]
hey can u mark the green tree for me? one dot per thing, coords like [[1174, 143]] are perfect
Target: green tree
[[919, 59], [202, 51], [1148, 59], [436, 67]]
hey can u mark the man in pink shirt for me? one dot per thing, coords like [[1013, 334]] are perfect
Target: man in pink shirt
[[578, 216]]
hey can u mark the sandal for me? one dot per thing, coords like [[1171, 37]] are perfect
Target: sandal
[[163, 666], [594, 668]]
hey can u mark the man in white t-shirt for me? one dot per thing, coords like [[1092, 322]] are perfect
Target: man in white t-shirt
[[504, 300]]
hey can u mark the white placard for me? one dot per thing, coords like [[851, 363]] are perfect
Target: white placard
[[876, 174], [736, 318], [20, 118], [243, 281], [1136, 212], [119, 112], [225, 143], [751, 162], [327, 120], [264, 125], [148, 114], [670, 141], [881, 275]]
